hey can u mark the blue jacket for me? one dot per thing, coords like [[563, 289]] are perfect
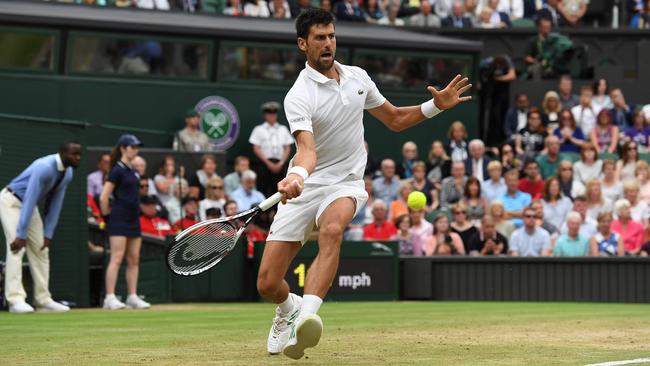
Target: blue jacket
[[33, 186]]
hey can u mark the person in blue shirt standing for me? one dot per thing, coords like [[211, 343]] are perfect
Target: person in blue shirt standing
[[123, 224], [44, 181]]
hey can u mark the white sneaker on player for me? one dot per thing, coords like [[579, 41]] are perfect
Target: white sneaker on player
[[304, 334], [282, 324], [53, 307], [134, 302], [21, 308], [112, 303]]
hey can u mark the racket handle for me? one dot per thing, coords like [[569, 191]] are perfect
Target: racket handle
[[271, 201]]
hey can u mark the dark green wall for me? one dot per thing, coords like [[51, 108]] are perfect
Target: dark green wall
[[156, 108], [21, 142]]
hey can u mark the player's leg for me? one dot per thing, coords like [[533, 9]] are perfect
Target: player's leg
[[133, 246], [14, 291], [118, 248]]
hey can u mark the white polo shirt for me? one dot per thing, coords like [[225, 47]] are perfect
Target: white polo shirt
[[271, 139], [333, 112]]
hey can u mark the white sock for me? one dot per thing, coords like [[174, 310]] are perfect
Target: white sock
[[310, 304], [110, 296], [287, 305]]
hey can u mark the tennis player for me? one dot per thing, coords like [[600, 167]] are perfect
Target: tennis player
[[324, 185]]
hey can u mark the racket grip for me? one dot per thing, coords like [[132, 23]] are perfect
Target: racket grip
[[271, 201]]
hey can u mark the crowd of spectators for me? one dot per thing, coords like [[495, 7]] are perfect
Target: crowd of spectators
[[438, 13]]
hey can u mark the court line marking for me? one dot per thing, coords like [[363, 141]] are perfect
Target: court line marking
[[624, 362]]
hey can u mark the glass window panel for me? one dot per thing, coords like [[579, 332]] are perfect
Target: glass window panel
[[26, 50], [126, 56], [263, 63], [412, 71]]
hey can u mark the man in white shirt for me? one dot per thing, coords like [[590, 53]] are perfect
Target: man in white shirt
[[585, 113], [271, 144], [324, 186]]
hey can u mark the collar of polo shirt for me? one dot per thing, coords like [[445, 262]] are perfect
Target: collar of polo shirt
[[59, 163], [320, 78]]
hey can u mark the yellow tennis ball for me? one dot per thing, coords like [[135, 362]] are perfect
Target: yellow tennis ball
[[416, 200]]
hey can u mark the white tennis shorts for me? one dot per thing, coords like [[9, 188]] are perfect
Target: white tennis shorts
[[296, 219]]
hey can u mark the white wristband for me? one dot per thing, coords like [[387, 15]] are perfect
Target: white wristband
[[429, 108], [300, 171]]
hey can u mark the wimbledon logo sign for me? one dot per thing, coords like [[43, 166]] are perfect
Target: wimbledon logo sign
[[219, 120]]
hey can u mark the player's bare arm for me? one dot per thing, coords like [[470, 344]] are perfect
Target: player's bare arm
[[104, 198], [401, 118], [291, 186]]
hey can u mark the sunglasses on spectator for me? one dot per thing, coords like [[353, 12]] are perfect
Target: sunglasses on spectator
[[530, 216], [215, 187]]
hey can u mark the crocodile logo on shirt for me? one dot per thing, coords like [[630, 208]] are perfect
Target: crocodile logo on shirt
[[360, 92]]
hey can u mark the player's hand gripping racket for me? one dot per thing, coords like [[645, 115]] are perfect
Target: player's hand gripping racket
[[203, 245]]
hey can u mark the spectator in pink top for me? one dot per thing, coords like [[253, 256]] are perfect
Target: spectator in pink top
[[630, 230], [445, 242], [421, 232]]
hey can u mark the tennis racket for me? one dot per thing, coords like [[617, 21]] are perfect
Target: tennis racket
[[203, 245]]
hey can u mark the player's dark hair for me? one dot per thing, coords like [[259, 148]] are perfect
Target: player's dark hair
[[310, 17], [116, 155], [67, 144]]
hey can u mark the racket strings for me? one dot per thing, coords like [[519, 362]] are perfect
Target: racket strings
[[202, 247]]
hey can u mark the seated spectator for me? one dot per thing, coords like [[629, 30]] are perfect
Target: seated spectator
[[348, 10], [643, 177], [504, 226], [472, 200], [626, 165], [532, 183], [596, 202], [639, 132], [373, 10], [488, 241], [541, 221], [425, 18], [476, 164], [191, 138], [517, 116], [630, 230], [498, 18], [572, 244], [399, 206], [190, 214], [232, 181], [585, 113], [589, 226], [495, 186], [298, 7], [161, 210], [170, 187], [471, 10], [605, 135], [538, 56], [387, 186], [606, 242], [456, 147], [570, 187], [380, 228], [96, 179], [280, 9], [457, 19], [571, 136], [641, 17], [529, 141], [529, 240], [453, 186], [438, 164], [234, 8], [150, 223], [199, 180], [572, 11], [94, 214], [409, 155], [152, 4], [461, 225], [551, 108], [213, 213], [621, 112], [639, 210], [444, 241], [568, 99], [601, 97], [230, 208], [257, 8], [421, 233], [513, 8], [556, 206], [549, 161], [390, 18], [514, 200], [443, 8], [247, 196], [140, 165], [421, 184], [550, 11], [611, 187], [589, 167], [214, 197], [508, 159], [403, 235]]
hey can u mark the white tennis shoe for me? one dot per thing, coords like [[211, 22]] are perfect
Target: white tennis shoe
[[21, 308], [304, 334], [135, 302], [112, 303], [53, 307], [282, 324]]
